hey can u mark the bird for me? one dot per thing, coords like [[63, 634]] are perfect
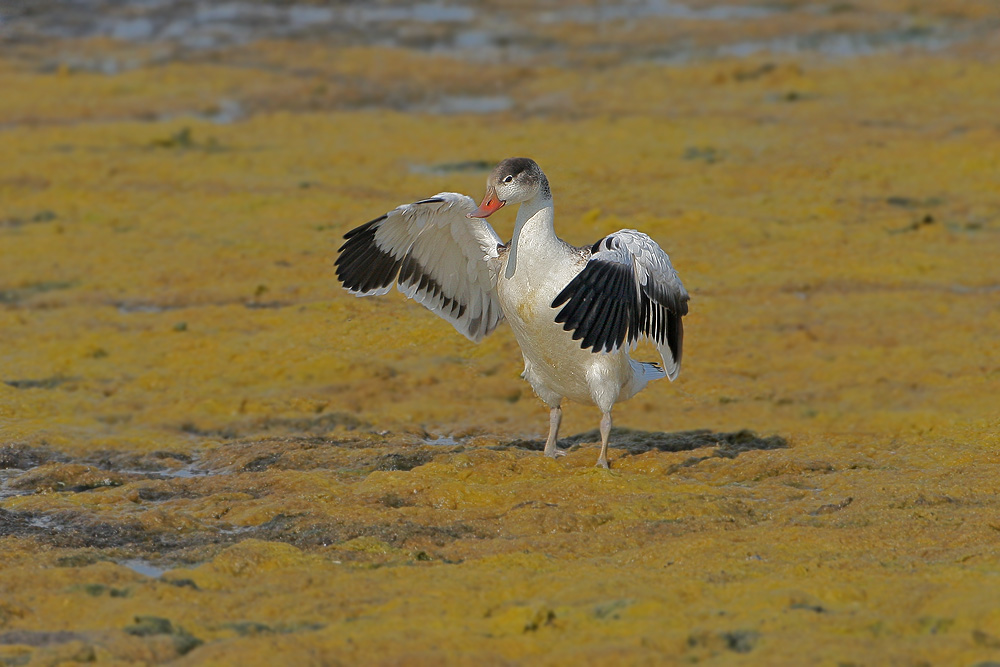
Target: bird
[[576, 312]]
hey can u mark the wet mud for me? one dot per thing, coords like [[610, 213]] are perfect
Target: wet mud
[[211, 453], [239, 472]]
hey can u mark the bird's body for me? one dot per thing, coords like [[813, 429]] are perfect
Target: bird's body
[[575, 312], [555, 365]]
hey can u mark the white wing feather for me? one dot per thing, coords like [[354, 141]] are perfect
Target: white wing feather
[[435, 255]]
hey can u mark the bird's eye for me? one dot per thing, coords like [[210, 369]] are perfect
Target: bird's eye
[[509, 178]]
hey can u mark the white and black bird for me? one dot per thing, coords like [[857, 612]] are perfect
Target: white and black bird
[[576, 312]]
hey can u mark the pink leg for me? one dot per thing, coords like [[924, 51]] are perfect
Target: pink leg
[[602, 460], [555, 418]]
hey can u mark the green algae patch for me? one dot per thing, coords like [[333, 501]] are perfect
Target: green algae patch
[[209, 452]]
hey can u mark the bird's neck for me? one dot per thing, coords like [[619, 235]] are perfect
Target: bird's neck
[[534, 231], [535, 218]]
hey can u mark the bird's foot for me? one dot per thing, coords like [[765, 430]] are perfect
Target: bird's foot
[[554, 452], [603, 463]]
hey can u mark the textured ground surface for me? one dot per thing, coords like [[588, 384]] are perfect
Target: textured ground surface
[[209, 452]]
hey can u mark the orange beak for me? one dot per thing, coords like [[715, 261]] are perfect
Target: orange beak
[[489, 206]]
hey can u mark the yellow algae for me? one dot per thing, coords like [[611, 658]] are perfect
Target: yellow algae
[[253, 558], [184, 387]]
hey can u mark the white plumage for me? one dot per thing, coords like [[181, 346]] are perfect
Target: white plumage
[[576, 312], [435, 255]]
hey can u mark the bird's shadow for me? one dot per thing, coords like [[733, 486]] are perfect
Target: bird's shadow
[[727, 445]]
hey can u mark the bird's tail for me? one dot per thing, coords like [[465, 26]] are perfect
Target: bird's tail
[[651, 371], [643, 372]]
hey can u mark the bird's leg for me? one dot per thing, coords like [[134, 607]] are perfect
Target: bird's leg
[[602, 460], [555, 418]]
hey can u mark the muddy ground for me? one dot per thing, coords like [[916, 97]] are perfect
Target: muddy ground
[[210, 453]]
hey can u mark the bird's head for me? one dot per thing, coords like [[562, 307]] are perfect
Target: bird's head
[[515, 180]]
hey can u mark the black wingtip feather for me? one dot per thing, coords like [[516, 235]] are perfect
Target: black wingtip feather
[[565, 295], [360, 229], [608, 329], [604, 308], [575, 310], [362, 266], [676, 338], [605, 311], [599, 307]]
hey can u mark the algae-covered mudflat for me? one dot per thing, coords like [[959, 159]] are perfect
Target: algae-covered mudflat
[[210, 453]]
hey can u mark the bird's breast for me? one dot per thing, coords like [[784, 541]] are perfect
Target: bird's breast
[[527, 300], [557, 360]]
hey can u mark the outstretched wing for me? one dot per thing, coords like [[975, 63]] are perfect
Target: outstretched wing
[[626, 290], [435, 255]]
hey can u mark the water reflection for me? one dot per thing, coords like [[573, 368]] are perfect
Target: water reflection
[[470, 29]]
